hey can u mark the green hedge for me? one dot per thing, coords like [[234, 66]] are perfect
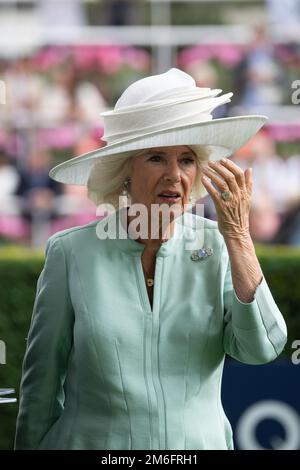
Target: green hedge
[[20, 268]]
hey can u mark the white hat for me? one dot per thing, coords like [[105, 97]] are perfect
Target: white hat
[[163, 110]]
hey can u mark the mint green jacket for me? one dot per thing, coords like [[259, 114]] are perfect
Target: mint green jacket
[[102, 370]]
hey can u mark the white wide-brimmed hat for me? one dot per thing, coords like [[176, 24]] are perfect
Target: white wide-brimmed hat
[[163, 110]]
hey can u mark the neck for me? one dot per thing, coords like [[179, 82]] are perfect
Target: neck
[[153, 243]]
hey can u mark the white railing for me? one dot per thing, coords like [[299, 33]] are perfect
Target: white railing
[[4, 392]]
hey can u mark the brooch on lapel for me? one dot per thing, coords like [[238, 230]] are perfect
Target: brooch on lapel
[[199, 255]]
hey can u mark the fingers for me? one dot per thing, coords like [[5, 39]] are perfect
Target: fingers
[[230, 172], [213, 175], [248, 180], [232, 212], [227, 176], [210, 189], [236, 170]]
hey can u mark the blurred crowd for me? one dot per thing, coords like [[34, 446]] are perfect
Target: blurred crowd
[[52, 112], [53, 101], [275, 211]]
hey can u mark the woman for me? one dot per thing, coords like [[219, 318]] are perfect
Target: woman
[[134, 314]]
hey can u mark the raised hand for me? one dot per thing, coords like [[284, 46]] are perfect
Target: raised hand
[[233, 200]]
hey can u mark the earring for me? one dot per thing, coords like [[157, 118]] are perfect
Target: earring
[[191, 198], [126, 184]]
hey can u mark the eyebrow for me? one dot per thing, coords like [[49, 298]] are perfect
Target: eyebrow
[[161, 152]]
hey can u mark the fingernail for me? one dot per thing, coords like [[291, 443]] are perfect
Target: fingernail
[[223, 160]]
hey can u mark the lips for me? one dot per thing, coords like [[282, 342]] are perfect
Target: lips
[[170, 197], [170, 194]]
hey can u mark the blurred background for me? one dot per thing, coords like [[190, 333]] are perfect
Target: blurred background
[[62, 63]]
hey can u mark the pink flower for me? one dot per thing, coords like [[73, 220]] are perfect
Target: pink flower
[[12, 226], [110, 59], [59, 137], [51, 56], [137, 58], [228, 54], [85, 57]]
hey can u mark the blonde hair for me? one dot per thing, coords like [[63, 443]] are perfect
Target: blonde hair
[[107, 176]]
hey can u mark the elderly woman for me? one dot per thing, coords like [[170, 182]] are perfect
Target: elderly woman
[[134, 314]]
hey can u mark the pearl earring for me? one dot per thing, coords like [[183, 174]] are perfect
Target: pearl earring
[[191, 198], [126, 184]]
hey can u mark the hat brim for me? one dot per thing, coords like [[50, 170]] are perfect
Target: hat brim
[[222, 136]]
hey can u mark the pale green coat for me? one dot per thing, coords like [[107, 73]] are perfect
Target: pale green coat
[[103, 371]]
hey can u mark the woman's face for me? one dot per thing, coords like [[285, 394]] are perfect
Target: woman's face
[[162, 171]]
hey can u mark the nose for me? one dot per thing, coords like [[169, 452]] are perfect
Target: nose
[[172, 172]]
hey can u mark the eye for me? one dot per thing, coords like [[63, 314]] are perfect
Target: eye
[[188, 161], [155, 158]]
